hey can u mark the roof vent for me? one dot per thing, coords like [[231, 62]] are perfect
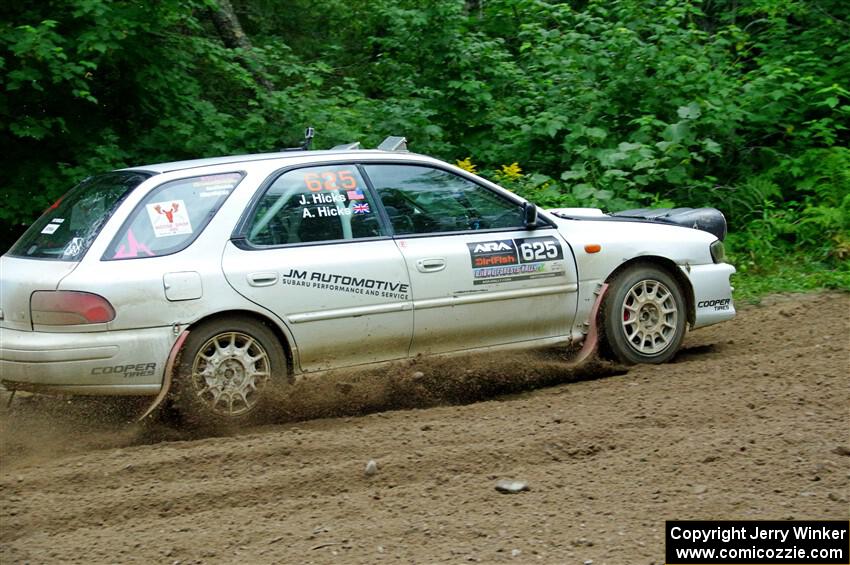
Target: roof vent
[[393, 143]]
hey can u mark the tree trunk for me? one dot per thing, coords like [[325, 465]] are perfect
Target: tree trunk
[[230, 30], [228, 26]]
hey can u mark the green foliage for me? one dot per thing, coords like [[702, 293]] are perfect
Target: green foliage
[[739, 104], [794, 273]]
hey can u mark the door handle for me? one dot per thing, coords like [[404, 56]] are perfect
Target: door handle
[[431, 265], [262, 279]]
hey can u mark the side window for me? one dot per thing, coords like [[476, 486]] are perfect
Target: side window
[[170, 218], [426, 200], [314, 204]]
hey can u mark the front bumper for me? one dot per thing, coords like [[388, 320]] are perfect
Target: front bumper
[[123, 362], [712, 293]]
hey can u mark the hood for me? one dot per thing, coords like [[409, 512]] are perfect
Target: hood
[[710, 220]]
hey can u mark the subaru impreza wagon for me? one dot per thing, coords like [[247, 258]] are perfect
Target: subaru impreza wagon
[[214, 281]]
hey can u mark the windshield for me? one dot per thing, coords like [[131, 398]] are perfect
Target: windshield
[[66, 230]]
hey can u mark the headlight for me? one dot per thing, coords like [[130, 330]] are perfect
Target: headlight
[[718, 251]]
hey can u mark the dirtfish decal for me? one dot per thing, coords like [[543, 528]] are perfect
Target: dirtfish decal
[[507, 260]]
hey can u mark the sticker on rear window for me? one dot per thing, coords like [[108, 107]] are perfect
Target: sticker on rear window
[[216, 185], [73, 248], [132, 248], [331, 180], [169, 218], [227, 180], [214, 193]]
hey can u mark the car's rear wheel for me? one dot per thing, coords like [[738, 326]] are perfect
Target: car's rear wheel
[[643, 316], [228, 371]]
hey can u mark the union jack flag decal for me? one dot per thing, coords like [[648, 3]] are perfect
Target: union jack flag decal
[[361, 208]]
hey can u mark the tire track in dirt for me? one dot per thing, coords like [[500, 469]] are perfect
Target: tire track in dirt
[[744, 424], [179, 489]]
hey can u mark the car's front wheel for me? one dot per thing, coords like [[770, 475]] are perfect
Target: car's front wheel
[[228, 370], [643, 316]]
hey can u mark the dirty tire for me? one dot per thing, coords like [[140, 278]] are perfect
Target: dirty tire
[[227, 371], [644, 316]]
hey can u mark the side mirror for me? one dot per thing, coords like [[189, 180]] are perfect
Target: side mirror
[[529, 215]]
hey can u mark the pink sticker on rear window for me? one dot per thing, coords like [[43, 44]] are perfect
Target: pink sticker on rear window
[[132, 249]]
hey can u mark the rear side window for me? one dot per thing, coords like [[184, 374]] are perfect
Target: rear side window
[[67, 229], [170, 218], [314, 204]]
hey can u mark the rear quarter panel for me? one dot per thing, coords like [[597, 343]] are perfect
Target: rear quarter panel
[[137, 287]]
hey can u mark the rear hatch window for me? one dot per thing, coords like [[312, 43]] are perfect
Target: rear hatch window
[[67, 229]]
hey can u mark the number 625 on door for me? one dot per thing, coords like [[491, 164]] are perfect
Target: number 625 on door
[[536, 249]]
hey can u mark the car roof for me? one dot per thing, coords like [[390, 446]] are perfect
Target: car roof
[[283, 155]]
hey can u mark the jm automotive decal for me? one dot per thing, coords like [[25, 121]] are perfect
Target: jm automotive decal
[[507, 260], [345, 283]]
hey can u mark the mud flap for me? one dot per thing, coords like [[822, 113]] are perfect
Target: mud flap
[[591, 341], [166, 378]]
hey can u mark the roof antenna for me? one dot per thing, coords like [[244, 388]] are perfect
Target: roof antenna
[[309, 133]]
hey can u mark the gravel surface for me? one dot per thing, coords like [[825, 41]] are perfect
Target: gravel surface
[[751, 421]]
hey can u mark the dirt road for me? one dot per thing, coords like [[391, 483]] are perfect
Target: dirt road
[[752, 421]]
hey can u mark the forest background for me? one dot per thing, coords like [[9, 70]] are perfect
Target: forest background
[[743, 105]]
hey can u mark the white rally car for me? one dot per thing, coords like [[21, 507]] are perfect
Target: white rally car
[[213, 281]]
